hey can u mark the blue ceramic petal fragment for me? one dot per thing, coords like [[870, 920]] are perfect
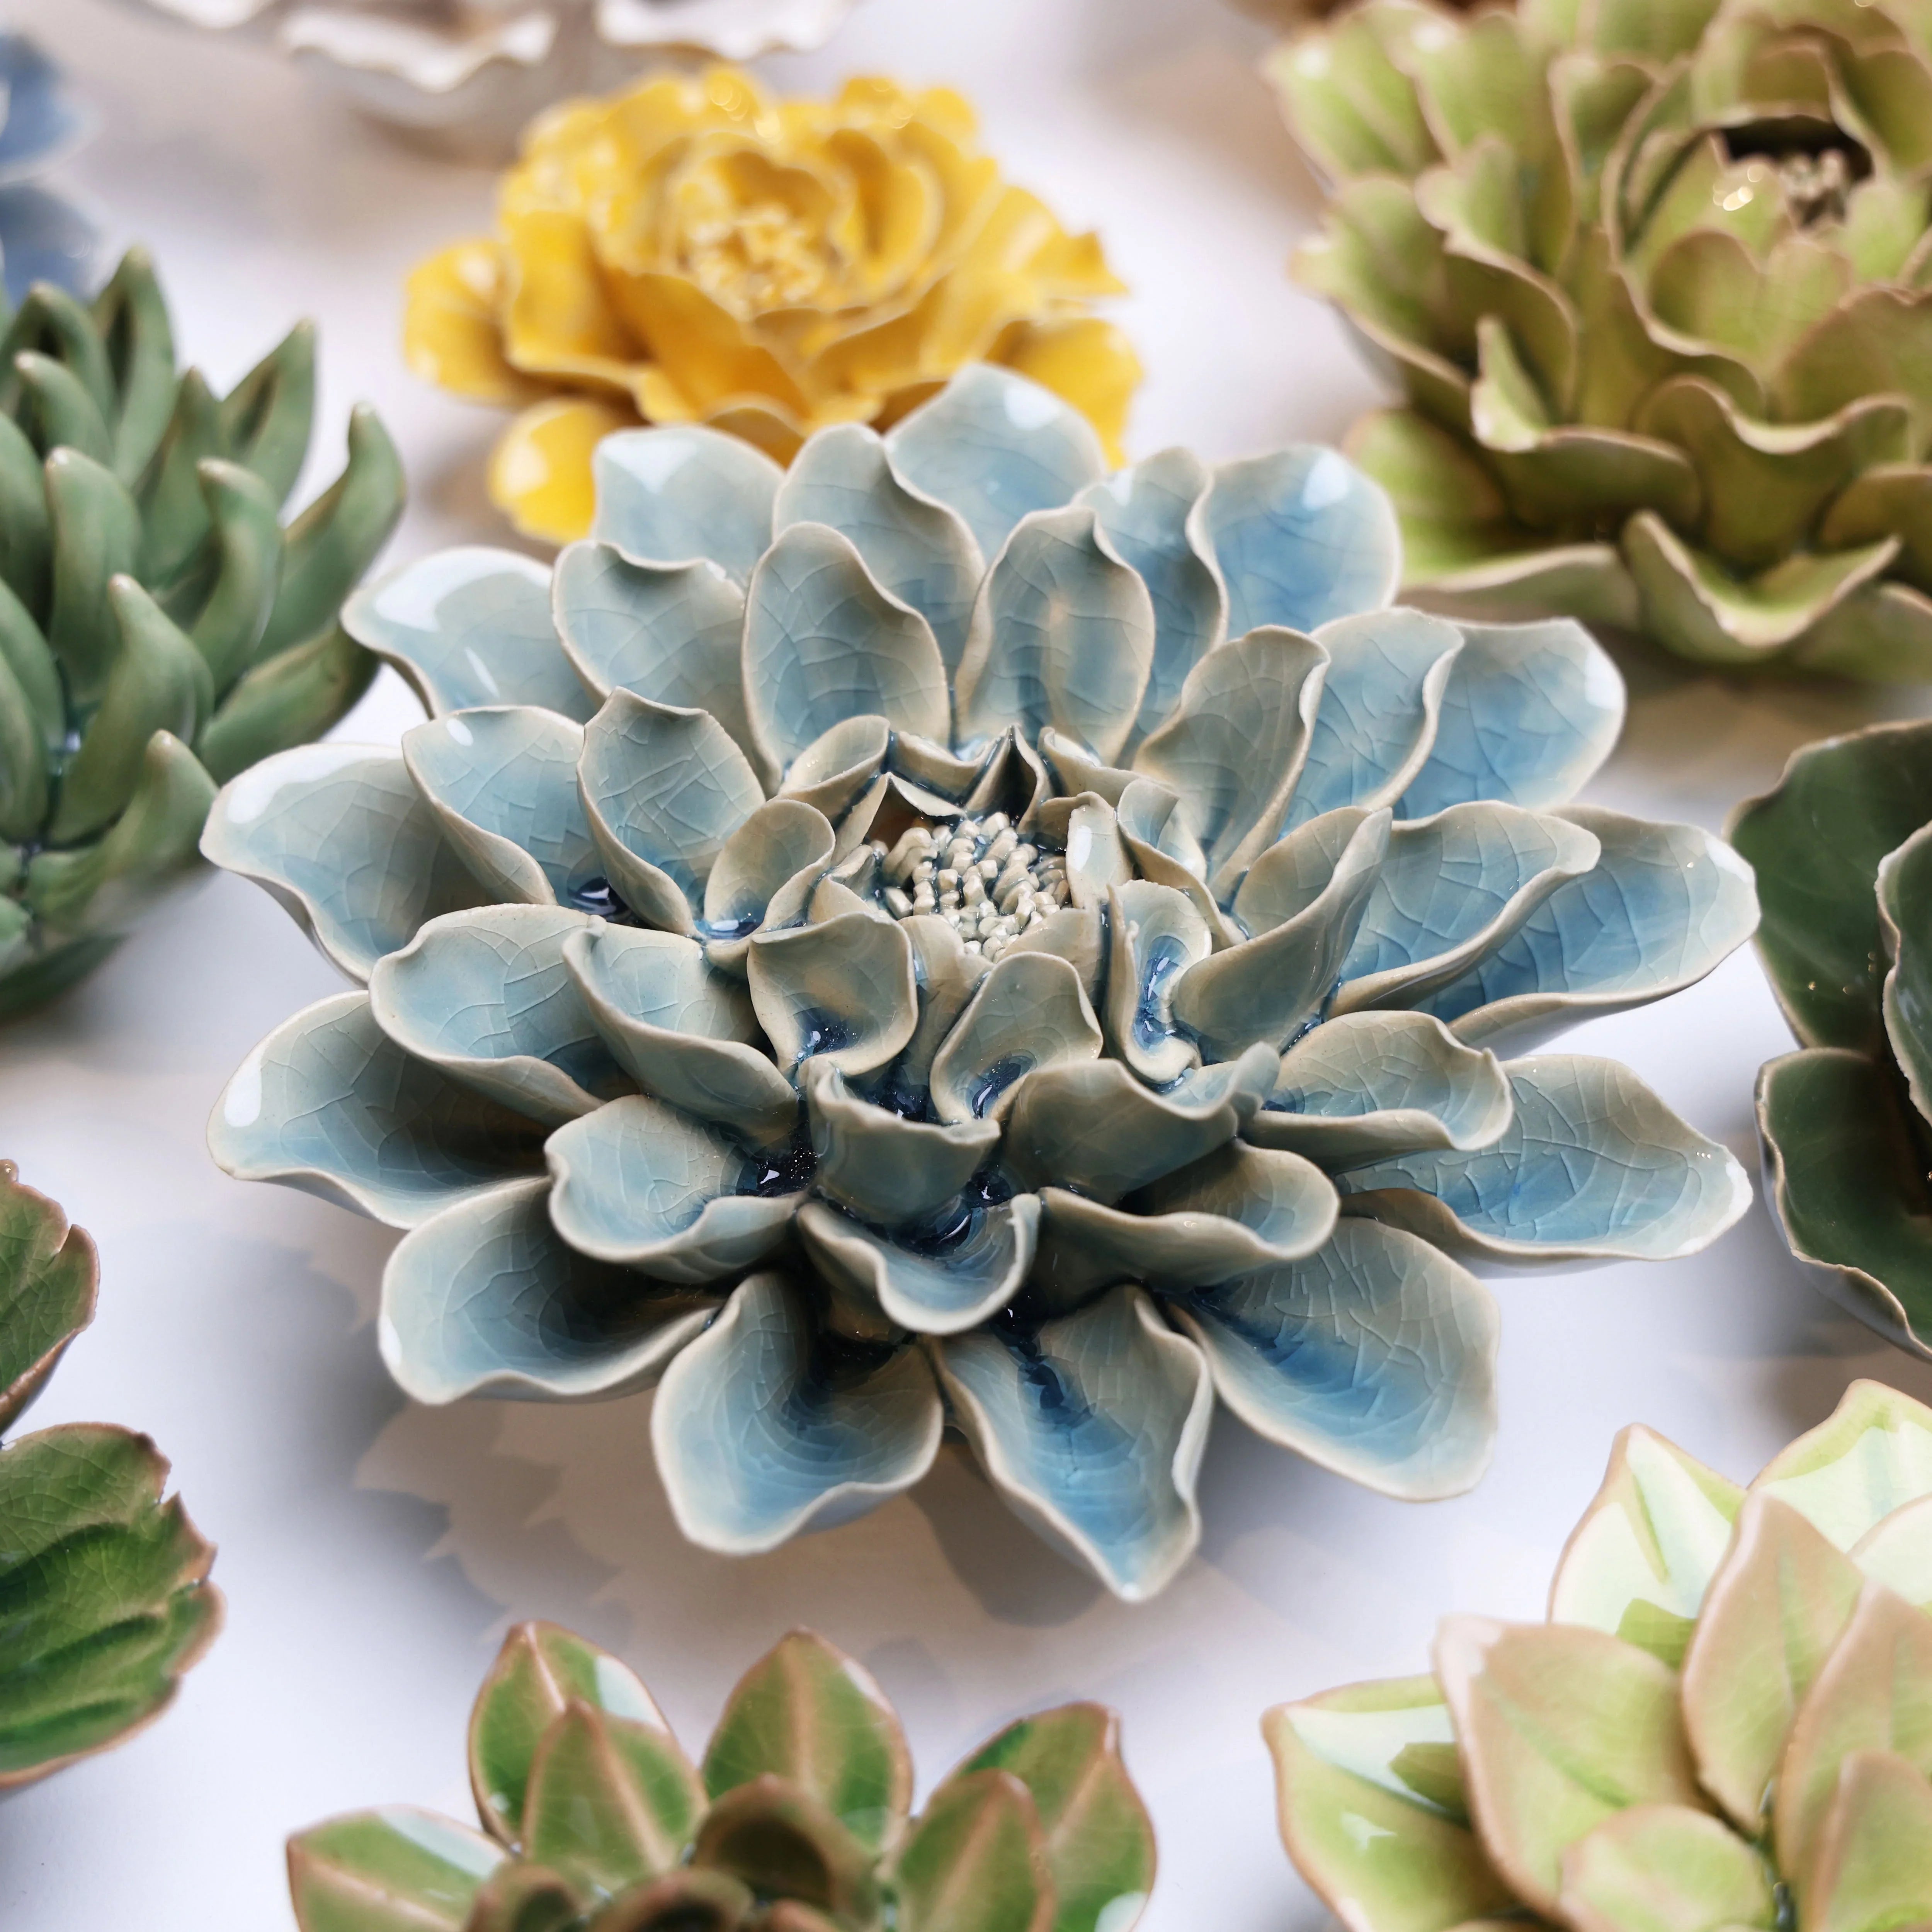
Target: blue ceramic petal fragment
[[1092, 1431], [1149, 515], [663, 790], [1453, 890], [763, 876], [1387, 670], [995, 448], [881, 1166], [328, 1103], [883, 1283], [824, 644], [921, 551], [844, 990], [42, 121], [1592, 1166], [340, 837], [467, 627], [682, 1032], [767, 1426], [672, 495], [672, 634], [44, 237], [1062, 635], [1234, 749], [1154, 934], [1375, 1357], [1530, 712], [502, 784], [1663, 905], [639, 1184], [1369, 1085], [1300, 537], [485, 995], [485, 1299], [1029, 1011]]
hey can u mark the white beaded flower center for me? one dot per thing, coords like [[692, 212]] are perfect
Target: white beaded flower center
[[978, 875]]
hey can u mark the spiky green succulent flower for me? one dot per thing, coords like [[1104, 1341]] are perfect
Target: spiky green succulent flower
[[160, 628], [797, 1820], [1726, 1721], [1656, 277]]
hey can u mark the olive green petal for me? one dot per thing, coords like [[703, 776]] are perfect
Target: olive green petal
[[1887, 499], [49, 1272], [1904, 879]]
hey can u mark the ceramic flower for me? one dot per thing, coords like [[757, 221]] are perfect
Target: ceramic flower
[[44, 236], [160, 628], [467, 74], [693, 251], [798, 1820], [879, 990], [1840, 848], [1655, 280], [105, 1590], [1723, 1723]]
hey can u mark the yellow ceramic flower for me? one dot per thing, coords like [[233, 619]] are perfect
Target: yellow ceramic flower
[[693, 251]]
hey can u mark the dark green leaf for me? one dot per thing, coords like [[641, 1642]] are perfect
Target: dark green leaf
[[26, 530], [96, 536], [245, 564], [173, 505], [48, 1273], [268, 417], [23, 760], [131, 316], [24, 647], [292, 699]]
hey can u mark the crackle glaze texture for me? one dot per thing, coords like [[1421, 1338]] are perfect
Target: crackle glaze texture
[[1842, 845], [943, 937], [693, 249], [1726, 1722], [798, 1819], [1655, 277]]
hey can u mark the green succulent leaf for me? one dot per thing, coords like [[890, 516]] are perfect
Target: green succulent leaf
[[1871, 1457], [397, 1870], [62, 414], [778, 1839], [1665, 1868], [518, 1897], [96, 537], [48, 1275], [103, 1598], [293, 698], [266, 420], [700, 1901], [130, 317], [243, 568], [809, 1714], [26, 525], [174, 507], [975, 1861], [1873, 1864], [1904, 878]]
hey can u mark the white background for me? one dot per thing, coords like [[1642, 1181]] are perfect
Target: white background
[[372, 1553]]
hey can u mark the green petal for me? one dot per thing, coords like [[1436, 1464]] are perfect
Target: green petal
[[974, 1862], [1872, 1456], [1349, 105], [1665, 1868], [397, 1870], [1873, 1866], [48, 1274], [1903, 877]]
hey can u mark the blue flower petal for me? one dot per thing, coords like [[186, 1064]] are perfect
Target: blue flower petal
[[674, 496], [43, 120], [44, 237]]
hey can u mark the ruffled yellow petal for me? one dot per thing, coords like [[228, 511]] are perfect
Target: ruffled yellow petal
[[700, 346], [559, 320], [1085, 360], [540, 475], [452, 334]]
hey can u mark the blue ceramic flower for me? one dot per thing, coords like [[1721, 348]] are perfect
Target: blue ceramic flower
[[43, 236], [873, 992]]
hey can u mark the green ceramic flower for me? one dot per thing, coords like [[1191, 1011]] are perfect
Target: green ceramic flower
[[797, 1820], [1656, 280], [160, 628], [1726, 1723], [1843, 852], [104, 1601]]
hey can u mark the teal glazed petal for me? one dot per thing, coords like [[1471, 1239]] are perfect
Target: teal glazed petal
[[766, 1426], [328, 1104], [945, 974], [1387, 670], [1234, 749], [824, 644], [834, 770], [1904, 878], [1062, 635], [1300, 537], [1149, 514], [1305, 901], [1530, 712], [672, 495], [682, 1032], [1154, 934], [663, 790], [1092, 1432], [1092, 1127], [639, 1183], [1238, 1209], [881, 1166], [1453, 890], [844, 990], [1664, 906], [339, 836], [1029, 1013], [763, 876], [886, 1283], [485, 995], [674, 634], [995, 448], [1363, 1087], [503, 786], [1592, 1166], [468, 627], [922, 552], [1074, 933], [485, 1300], [1375, 1357]]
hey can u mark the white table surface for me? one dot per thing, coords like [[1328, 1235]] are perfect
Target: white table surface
[[372, 1552]]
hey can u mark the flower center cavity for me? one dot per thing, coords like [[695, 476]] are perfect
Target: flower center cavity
[[978, 875]]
